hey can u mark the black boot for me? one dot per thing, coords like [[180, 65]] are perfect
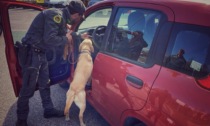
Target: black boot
[[53, 113], [21, 123]]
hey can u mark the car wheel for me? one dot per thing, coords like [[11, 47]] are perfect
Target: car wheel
[[130, 121], [139, 124]]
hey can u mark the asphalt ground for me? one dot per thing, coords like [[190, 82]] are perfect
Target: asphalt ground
[[58, 94], [7, 96]]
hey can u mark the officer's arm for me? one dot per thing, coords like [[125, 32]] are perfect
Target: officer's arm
[[51, 31]]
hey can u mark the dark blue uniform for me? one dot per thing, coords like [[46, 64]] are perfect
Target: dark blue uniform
[[48, 30]]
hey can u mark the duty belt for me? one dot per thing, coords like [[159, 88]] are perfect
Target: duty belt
[[37, 50]]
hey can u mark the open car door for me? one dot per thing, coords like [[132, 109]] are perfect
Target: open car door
[[16, 18]]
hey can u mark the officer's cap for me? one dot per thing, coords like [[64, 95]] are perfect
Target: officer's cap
[[76, 6]]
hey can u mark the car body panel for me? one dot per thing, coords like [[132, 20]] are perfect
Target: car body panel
[[178, 7], [106, 89], [182, 96], [112, 86]]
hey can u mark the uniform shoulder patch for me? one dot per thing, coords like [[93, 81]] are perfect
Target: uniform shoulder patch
[[57, 18]]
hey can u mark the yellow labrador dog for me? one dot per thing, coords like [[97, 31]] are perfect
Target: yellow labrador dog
[[82, 74]]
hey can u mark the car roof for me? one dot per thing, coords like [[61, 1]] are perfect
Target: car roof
[[185, 11]]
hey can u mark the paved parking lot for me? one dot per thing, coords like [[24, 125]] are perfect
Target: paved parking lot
[[7, 96]]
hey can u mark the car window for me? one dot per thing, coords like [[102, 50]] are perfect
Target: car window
[[132, 33], [95, 25], [18, 31], [97, 18], [189, 51]]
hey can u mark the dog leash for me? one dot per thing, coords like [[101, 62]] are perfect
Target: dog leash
[[69, 58]]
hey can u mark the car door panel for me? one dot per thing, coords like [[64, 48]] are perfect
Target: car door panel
[[13, 65], [115, 80], [110, 86], [11, 10]]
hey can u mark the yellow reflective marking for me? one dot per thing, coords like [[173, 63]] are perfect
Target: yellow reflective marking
[[57, 19]]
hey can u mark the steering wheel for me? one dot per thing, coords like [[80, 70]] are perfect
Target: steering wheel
[[97, 35]]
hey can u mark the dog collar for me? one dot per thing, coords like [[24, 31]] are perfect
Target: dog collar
[[85, 51]]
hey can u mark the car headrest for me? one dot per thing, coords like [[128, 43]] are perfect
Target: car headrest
[[136, 21]]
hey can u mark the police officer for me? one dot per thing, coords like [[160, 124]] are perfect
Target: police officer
[[48, 30]]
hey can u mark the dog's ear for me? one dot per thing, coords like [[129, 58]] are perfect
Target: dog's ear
[[80, 45], [91, 46]]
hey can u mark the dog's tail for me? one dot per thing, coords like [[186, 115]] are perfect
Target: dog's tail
[[69, 100]]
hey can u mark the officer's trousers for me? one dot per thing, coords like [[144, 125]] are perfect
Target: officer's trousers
[[36, 72]]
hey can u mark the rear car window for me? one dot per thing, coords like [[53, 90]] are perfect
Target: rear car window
[[189, 50]]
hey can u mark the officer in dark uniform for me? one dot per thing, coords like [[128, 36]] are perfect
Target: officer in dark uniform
[[48, 30]]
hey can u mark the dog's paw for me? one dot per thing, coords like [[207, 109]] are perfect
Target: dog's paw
[[82, 124], [67, 118]]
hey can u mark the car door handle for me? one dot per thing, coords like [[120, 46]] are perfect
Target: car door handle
[[134, 81]]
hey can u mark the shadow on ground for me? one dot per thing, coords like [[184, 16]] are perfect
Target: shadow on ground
[[58, 95]]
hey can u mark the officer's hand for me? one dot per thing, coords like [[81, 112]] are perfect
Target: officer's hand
[[68, 27], [69, 37], [85, 36]]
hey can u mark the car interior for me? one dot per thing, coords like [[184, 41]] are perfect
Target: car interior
[[133, 20], [95, 25]]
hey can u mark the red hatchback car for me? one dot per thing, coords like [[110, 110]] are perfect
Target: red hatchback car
[[151, 60]]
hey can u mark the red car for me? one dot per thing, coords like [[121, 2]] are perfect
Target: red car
[[151, 60]]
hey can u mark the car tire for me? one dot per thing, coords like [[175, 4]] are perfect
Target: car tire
[[130, 121], [139, 124]]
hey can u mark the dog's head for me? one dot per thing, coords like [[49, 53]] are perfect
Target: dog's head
[[86, 45]]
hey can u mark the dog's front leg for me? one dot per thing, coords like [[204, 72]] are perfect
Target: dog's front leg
[[67, 117]]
